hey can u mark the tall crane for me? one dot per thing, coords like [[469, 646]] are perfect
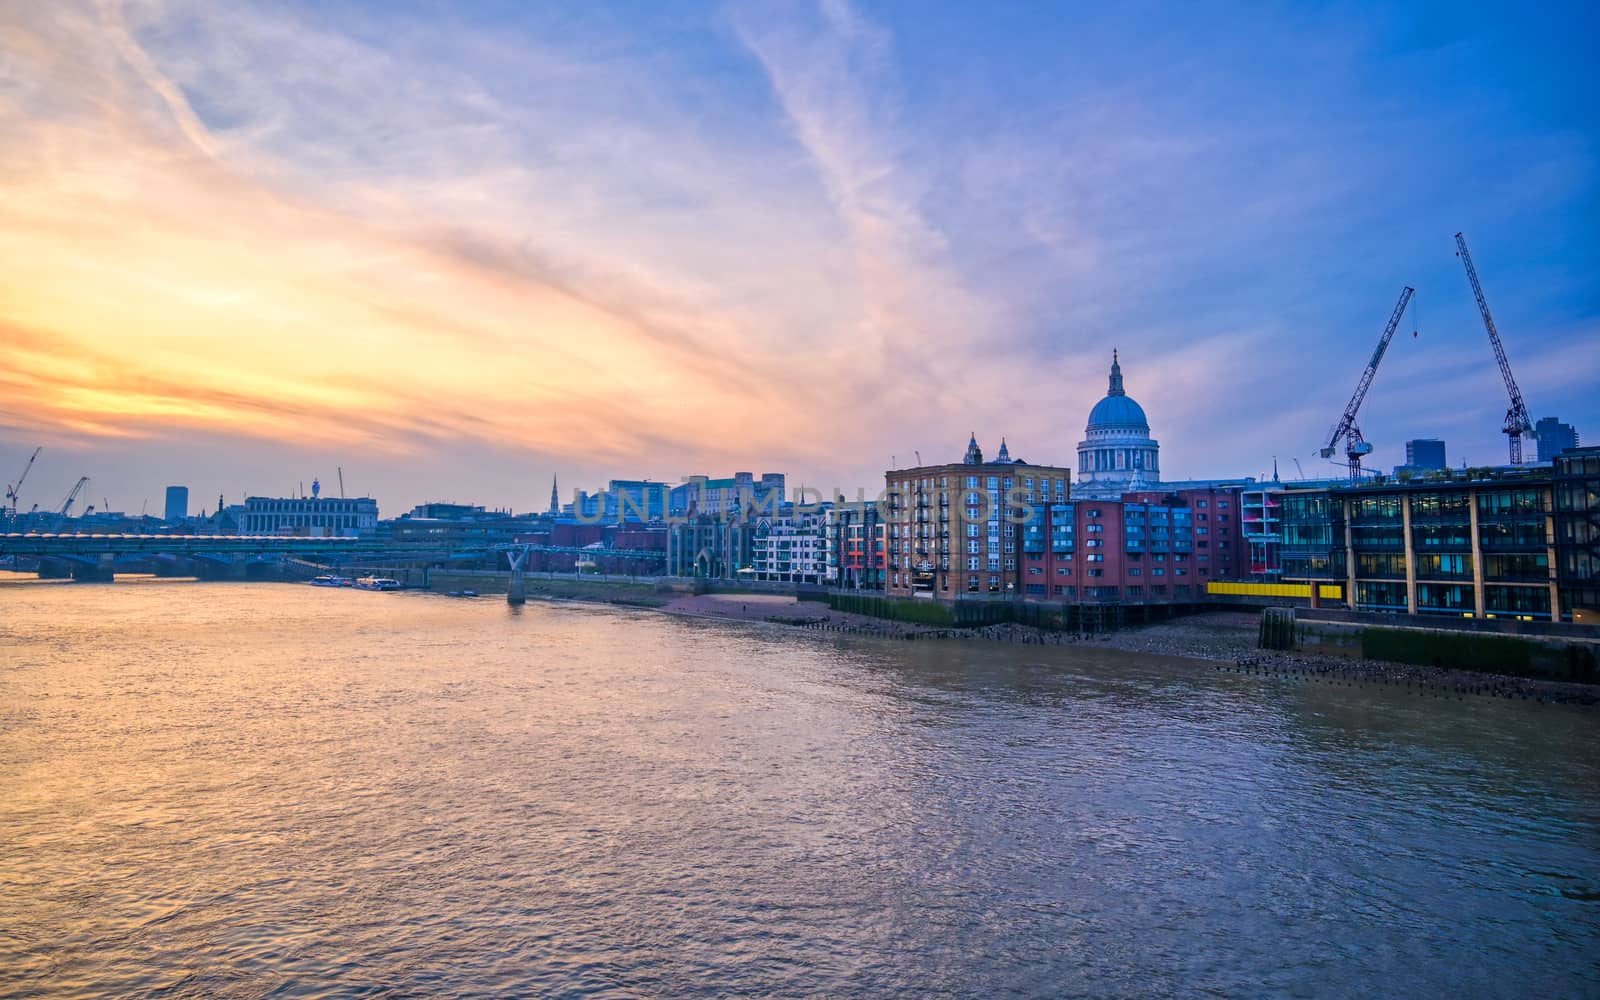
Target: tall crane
[[1355, 445], [12, 491], [67, 504], [1517, 422]]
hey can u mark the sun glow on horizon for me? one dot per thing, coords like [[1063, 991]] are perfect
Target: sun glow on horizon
[[789, 237]]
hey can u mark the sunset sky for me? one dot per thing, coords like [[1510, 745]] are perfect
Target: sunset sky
[[458, 248]]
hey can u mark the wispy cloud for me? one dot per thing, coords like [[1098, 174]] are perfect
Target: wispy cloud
[[801, 237]]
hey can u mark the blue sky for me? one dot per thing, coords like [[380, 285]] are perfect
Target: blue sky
[[457, 249]]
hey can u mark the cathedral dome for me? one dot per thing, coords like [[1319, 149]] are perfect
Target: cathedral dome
[[1117, 453], [1117, 411]]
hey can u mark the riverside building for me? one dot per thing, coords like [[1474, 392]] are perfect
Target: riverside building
[[953, 529], [315, 516], [857, 545], [790, 546], [1478, 545], [1576, 485]]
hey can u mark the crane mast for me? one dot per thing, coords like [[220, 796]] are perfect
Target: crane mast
[[67, 504], [1517, 422], [1355, 445], [12, 491]]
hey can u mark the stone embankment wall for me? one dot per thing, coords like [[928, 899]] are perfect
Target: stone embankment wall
[[894, 608], [637, 591], [1549, 656]]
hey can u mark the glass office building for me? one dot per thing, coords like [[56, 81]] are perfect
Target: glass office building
[[1454, 545]]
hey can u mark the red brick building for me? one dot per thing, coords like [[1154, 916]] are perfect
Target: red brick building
[[1155, 547]]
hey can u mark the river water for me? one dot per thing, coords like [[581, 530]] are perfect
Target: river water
[[266, 789]]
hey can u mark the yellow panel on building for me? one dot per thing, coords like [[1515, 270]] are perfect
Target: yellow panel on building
[[1330, 591]]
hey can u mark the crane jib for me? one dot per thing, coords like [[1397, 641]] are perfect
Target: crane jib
[[1518, 422], [1354, 406]]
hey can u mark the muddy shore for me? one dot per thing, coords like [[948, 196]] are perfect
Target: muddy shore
[[1225, 640]]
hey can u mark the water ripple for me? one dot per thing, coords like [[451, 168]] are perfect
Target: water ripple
[[270, 791]]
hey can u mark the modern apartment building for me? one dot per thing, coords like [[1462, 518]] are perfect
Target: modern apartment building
[[857, 545], [1576, 484], [1259, 524], [790, 546], [1468, 547]]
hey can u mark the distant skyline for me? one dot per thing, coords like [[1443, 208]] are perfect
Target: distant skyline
[[459, 248]]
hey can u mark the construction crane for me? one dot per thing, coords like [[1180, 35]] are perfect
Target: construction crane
[[67, 504], [1356, 447], [1517, 422], [12, 491]]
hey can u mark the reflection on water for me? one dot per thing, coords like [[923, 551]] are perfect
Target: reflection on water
[[253, 789]]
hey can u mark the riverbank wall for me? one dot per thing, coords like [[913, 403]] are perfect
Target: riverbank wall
[[983, 613], [626, 590], [1554, 657]]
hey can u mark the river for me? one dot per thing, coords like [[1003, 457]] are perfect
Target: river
[[269, 789]]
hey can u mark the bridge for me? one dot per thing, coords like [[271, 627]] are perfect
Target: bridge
[[93, 556], [68, 545]]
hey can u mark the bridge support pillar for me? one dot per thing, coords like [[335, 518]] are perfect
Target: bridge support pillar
[[101, 571], [213, 569], [517, 589]]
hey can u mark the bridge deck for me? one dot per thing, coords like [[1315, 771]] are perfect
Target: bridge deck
[[46, 544]]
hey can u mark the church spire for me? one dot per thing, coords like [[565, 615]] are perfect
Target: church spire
[[1116, 376], [974, 453], [555, 498], [1005, 454]]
